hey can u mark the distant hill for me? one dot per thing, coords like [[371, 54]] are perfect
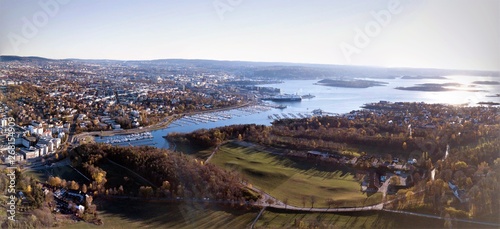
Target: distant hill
[[21, 58], [277, 70]]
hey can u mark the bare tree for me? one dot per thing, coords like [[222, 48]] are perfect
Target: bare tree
[[329, 202], [313, 200]]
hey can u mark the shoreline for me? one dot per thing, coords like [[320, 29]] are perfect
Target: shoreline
[[158, 126]]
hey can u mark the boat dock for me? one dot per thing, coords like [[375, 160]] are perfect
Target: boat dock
[[219, 115]]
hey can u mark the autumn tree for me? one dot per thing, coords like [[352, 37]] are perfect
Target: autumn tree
[[54, 181], [84, 188], [74, 185], [146, 191]]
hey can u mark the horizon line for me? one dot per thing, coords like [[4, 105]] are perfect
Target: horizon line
[[254, 61]]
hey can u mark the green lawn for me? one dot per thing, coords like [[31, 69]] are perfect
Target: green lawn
[[282, 219], [277, 219], [136, 214], [193, 150], [293, 179], [63, 172]]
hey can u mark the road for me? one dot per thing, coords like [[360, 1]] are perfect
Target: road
[[443, 218]]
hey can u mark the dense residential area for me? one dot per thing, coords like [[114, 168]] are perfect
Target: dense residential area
[[51, 100], [102, 96]]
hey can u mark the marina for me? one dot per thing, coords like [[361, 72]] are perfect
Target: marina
[[128, 138], [220, 115], [290, 116]]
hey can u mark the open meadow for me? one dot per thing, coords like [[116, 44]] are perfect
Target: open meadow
[[63, 172], [193, 150], [299, 182], [374, 219], [138, 214]]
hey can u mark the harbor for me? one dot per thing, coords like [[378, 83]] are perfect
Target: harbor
[[128, 138], [220, 115], [327, 101]]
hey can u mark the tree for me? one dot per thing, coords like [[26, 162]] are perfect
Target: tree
[[394, 180], [459, 165], [313, 200], [28, 189], [409, 196], [304, 201], [447, 221], [64, 183], [330, 202], [54, 181], [285, 201], [165, 185], [99, 177], [37, 196], [146, 191], [73, 185], [84, 188]]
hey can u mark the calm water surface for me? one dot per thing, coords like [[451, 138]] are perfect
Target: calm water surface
[[336, 100]]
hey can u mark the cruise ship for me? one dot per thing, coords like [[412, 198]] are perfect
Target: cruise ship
[[308, 96], [284, 98]]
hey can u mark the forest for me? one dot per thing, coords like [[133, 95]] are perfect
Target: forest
[[172, 174]]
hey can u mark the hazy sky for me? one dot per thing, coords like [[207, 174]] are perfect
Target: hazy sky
[[461, 34]]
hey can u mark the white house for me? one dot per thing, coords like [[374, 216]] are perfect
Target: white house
[[43, 149], [35, 130], [30, 153], [4, 122]]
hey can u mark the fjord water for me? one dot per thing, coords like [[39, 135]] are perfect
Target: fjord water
[[342, 100]]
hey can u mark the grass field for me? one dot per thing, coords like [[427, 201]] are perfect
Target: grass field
[[282, 219], [193, 150], [136, 214], [276, 219], [291, 179], [63, 172]]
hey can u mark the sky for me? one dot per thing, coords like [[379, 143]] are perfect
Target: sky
[[450, 34]]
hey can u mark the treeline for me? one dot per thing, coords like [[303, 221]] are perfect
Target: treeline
[[337, 133], [174, 174], [475, 170], [213, 137]]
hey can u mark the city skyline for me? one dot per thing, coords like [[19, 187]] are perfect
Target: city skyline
[[402, 33]]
